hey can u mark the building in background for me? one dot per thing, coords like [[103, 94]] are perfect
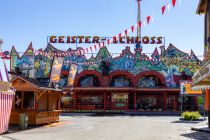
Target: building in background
[[132, 81], [203, 8], [201, 80]]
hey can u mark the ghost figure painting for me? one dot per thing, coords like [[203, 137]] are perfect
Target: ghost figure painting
[[169, 74]]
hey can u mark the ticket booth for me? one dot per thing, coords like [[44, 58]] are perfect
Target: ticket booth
[[41, 104]]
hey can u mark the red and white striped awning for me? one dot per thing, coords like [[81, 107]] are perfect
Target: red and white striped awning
[[6, 99]]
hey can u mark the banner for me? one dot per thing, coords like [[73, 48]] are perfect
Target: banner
[[56, 69], [72, 74]]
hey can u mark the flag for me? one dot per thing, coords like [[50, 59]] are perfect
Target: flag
[[173, 3], [108, 41], [163, 9], [56, 69], [120, 35], [126, 32], [95, 47], [139, 24], [148, 19], [72, 74], [132, 28], [168, 6]]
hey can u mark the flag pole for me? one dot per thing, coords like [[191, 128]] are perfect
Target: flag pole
[[4, 62]]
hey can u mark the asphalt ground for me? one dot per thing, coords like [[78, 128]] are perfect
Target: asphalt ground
[[89, 126]]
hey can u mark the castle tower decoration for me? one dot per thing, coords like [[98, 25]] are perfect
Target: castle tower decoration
[[14, 56], [155, 56]]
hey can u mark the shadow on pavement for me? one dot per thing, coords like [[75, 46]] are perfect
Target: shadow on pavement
[[192, 122], [16, 128], [115, 114], [183, 121], [197, 136], [8, 137]]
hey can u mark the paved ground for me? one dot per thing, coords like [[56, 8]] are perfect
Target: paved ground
[[112, 127]]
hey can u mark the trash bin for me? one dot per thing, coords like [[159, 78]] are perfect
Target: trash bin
[[23, 121]]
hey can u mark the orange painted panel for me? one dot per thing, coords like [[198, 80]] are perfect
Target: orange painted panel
[[190, 91], [207, 98]]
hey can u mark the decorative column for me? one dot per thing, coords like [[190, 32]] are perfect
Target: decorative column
[[59, 101], [75, 100], [48, 100], [175, 103], [105, 101], [207, 105], [134, 101], [105, 81], [22, 99], [165, 100]]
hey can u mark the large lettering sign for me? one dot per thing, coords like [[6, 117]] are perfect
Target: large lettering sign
[[96, 39]]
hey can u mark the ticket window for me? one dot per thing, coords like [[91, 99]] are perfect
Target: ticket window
[[18, 100], [24, 100], [28, 100]]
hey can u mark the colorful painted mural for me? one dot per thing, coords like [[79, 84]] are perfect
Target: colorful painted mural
[[149, 82], [172, 63], [25, 63]]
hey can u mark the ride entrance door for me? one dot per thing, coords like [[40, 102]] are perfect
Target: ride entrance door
[[131, 101]]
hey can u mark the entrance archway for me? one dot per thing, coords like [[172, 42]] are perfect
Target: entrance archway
[[88, 78], [148, 99], [150, 79], [121, 79]]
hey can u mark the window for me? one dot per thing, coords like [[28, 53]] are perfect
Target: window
[[121, 81], [28, 100], [149, 82], [89, 81]]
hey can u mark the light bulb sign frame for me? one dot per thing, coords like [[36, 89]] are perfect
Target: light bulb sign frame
[[96, 39]]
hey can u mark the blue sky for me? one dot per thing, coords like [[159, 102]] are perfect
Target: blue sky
[[23, 21]]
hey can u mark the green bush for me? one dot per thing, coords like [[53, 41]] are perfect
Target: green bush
[[200, 100], [191, 116]]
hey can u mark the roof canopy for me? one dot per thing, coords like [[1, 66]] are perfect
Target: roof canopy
[[202, 7], [23, 83], [201, 80]]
